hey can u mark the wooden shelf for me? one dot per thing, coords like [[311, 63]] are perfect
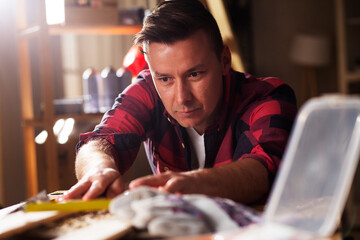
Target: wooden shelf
[[353, 76], [99, 29], [40, 122], [82, 116], [355, 21], [92, 20], [79, 20]]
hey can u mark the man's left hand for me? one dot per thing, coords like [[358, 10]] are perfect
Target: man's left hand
[[172, 182]]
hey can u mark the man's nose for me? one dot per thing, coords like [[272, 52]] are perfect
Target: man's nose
[[183, 92]]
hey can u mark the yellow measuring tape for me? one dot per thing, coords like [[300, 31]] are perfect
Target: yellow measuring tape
[[69, 206]]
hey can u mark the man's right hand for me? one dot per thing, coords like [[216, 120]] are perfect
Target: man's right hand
[[107, 182], [96, 173]]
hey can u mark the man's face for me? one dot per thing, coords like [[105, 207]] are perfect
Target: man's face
[[188, 78]]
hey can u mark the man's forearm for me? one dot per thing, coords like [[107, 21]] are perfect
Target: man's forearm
[[94, 155], [245, 180]]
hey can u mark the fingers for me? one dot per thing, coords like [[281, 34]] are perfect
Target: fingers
[[97, 188], [108, 181], [76, 191], [152, 181], [177, 184], [116, 188], [170, 182]]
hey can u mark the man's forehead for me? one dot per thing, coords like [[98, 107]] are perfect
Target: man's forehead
[[153, 48], [197, 38], [146, 46]]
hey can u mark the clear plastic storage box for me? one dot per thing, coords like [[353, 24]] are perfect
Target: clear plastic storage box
[[318, 166], [315, 177]]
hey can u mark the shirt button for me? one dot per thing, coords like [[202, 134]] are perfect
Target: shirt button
[[166, 169], [183, 146]]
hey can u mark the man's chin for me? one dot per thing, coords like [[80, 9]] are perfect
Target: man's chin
[[187, 124]]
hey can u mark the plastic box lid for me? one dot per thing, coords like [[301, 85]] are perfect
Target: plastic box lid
[[318, 167]]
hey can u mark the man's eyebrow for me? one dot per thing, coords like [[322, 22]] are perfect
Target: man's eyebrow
[[195, 68], [157, 74]]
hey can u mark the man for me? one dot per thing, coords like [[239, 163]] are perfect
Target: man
[[206, 128]]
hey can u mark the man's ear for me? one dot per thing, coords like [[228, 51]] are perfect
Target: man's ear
[[226, 60]]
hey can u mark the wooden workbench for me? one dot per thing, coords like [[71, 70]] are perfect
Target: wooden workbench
[[80, 225]]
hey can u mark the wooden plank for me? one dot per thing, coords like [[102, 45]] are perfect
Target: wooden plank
[[95, 30], [47, 84], [27, 110], [20, 221], [61, 225], [341, 46], [30, 162], [115, 229], [2, 181]]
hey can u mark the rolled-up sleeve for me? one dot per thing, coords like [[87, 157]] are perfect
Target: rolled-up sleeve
[[124, 126]]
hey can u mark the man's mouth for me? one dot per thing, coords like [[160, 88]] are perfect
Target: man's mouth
[[187, 113]]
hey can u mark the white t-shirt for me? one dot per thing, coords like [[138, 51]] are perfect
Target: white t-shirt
[[198, 146]]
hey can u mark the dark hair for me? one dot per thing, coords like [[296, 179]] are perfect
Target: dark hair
[[175, 20]]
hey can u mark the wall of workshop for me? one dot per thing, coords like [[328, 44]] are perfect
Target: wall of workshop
[[12, 174], [275, 24]]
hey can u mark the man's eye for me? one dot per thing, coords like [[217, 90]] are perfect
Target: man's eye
[[195, 75], [164, 79]]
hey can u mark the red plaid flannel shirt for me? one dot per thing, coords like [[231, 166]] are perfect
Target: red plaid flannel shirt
[[255, 122]]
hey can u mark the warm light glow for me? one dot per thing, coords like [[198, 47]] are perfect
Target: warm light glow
[[62, 129], [55, 11], [58, 126], [41, 137], [66, 131], [130, 56]]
